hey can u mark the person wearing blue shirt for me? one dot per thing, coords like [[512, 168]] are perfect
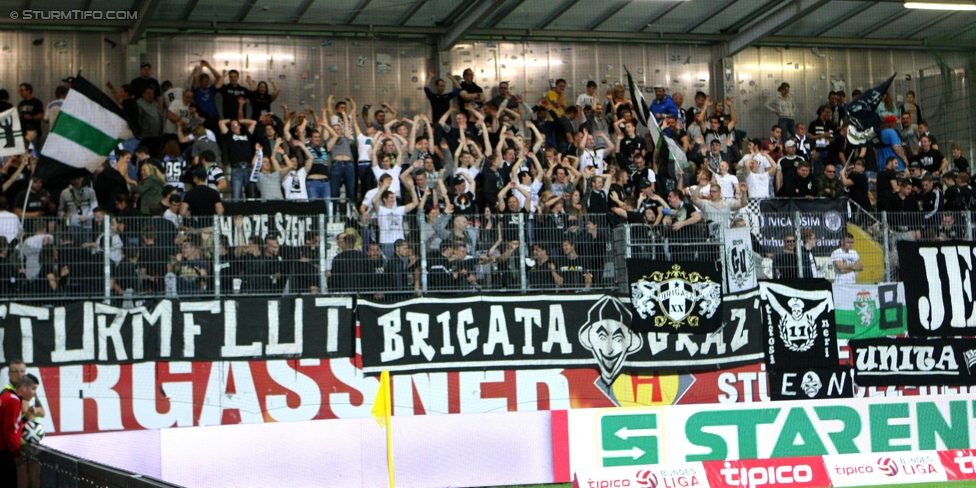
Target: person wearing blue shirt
[[662, 105], [891, 144], [205, 93]]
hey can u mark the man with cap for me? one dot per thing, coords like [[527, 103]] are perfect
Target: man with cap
[[662, 105], [145, 80], [786, 166], [890, 144]]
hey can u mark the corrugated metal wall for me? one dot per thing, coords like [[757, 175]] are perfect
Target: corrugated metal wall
[[394, 71]]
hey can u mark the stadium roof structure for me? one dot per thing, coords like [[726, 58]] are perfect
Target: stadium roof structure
[[729, 25]]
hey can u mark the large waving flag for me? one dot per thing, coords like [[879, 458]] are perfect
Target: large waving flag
[[863, 114], [88, 128], [643, 112]]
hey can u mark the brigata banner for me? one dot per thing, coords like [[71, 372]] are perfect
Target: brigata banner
[[289, 222], [865, 311], [881, 362], [595, 438], [582, 331], [173, 330], [798, 324], [939, 287]]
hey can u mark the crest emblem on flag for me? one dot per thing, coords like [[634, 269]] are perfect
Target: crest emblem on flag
[[676, 294], [865, 307]]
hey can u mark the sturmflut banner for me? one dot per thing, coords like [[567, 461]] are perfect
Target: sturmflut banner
[[569, 331], [172, 330]]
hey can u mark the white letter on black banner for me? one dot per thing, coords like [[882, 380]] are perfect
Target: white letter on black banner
[[190, 329], [419, 332], [113, 332], [497, 333], [529, 317], [274, 330], [61, 354], [392, 340], [557, 331]]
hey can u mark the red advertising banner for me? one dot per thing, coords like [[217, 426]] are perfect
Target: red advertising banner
[[800, 472], [959, 464]]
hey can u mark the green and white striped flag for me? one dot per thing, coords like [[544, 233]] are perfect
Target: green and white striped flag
[[90, 126], [870, 311]]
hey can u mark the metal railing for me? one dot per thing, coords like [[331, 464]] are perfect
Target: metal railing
[[131, 258]]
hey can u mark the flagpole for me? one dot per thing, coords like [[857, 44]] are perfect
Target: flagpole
[[389, 444]]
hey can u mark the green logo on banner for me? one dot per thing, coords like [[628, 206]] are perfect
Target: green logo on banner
[[629, 439]]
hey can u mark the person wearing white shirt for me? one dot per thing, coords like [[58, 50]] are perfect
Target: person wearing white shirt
[[9, 222], [590, 156], [389, 215], [756, 154], [758, 182], [77, 203], [383, 165], [728, 182], [293, 179], [179, 110], [588, 98], [846, 261]]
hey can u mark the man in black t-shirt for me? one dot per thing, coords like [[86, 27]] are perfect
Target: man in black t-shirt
[[145, 80], [543, 273], [629, 143], [961, 197], [822, 131], [31, 110], [201, 200], [804, 185], [439, 97], [885, 185], [856, 181], [231, 93], [470, 91], [933, 161], [930, 200], [239, 141], [572, 267]]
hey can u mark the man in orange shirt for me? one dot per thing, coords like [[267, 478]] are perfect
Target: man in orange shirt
[[11, 425]]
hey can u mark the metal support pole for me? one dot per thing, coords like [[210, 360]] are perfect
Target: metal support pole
[[106, 251], [798, 234], [886, 245], [969, 226], [523, 277], [323, 282], [628, 249], [423, 254], [216, 255]]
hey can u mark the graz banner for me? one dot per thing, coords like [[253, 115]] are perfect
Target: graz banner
[[288, 222], [739, 262], [917, 362], [818, 383], [581, 331], [939, 287], [798, 323], [867, 311], [675, 297], [826, 217], [172, 330]]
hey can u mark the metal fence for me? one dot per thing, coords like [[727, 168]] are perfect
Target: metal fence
[[395, 255]]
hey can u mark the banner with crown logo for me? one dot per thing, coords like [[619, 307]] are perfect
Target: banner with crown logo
[[798, 324], [679, 296]]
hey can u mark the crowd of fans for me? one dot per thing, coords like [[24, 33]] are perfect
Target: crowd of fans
[[485, 182]]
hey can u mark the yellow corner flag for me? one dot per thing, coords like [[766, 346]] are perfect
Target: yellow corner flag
[[382, 410]]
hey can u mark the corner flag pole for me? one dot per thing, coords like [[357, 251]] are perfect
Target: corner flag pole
[[382, 412]]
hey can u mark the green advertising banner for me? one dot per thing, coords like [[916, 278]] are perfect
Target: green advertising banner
[[870, 311], [597, 438]]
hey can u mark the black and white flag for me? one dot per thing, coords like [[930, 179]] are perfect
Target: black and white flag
[[811, 384], [798, 323], [739, 262], [940, 282], [914, 362], [675, 297], [11, 137], [863, 114]]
